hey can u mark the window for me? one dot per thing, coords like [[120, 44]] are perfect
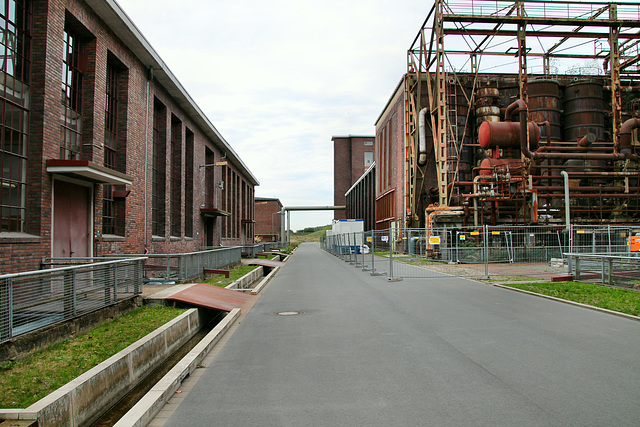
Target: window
[[72, 64], [188, 183], [176, 177], [15, 55], [159, 169], [111, 117], [368, 158], [110, 145]]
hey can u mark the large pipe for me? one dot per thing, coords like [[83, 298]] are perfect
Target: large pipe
[[422, 137], [520, 106], [625, 135]]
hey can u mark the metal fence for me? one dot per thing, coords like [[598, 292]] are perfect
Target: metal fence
[[621, 270], [475, 251], [168, 267], [35, 299]]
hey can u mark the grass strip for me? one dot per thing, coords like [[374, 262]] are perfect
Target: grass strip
[[235, 274], [615, 299], [28, 380]]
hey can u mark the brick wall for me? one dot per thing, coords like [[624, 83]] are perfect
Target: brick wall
[[24, 252], [348, 166], [268, 222]]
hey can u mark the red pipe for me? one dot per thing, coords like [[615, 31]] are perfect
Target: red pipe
[[625, 134]]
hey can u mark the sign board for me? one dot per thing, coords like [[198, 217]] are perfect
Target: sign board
[[384, 238], [434, 240], [369, 239], [463, 237], [475, 233]]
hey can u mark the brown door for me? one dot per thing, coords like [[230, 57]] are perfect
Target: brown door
[[71, 233]]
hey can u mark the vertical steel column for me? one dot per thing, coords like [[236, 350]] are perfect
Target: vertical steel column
[[614, 61], [390, 256], [441, 107], [486, 250], [373, 252]]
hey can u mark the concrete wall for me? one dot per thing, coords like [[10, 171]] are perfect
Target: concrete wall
[[83, 400]]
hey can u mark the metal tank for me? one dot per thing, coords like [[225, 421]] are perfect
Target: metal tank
[[584, 110], [545, 105]]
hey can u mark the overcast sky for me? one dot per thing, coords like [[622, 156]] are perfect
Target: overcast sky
[[279, 78]]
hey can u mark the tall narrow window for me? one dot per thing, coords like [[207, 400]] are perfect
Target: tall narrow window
[[224, 205], [111, 117], [188, 183], [110, 144], [176, 177], [159, 172], [15, 66], [209, 180], [71, 117]]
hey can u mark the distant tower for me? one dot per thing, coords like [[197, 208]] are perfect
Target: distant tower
[[352, 155]]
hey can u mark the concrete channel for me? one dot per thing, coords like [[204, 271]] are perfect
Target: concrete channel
[[146, 373]]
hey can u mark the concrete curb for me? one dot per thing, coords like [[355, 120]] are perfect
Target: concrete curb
[[151, 403], [260, 286], [84, 398], [245, 280], [577, 304]]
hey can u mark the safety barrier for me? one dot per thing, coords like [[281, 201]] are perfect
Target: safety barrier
[[169, 267], [476, 251], [34, 299], [621, 270]]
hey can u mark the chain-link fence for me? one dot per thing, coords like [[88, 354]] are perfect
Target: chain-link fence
[[39, 298], [535, 251]]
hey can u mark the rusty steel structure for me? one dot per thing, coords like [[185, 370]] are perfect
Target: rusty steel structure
[[523, 112]]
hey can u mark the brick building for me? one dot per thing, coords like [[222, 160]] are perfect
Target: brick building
[[268, 227], [121, 160], [360, 199], [352, 155], [390, 162]]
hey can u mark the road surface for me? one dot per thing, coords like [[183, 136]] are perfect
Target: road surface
[[421, 352]]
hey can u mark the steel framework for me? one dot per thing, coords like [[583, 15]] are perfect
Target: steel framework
[[472, 40]]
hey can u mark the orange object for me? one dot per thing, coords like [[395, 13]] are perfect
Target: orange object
[[634, 243]]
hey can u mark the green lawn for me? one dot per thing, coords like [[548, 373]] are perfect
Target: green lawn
[[616, 299], [28, 380]]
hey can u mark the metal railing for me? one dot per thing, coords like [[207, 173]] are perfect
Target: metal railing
[[621, 270], [169, 267], [34, 299], [481, 251]]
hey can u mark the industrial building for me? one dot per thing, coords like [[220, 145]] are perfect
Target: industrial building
[[514, 113], [268, 214], [352, 155], [360, 199], [120, 161]]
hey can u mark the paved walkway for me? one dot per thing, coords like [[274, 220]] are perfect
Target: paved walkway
[[440, 352]]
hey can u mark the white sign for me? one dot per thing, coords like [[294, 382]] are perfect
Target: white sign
[[384, 238], [434, 240]]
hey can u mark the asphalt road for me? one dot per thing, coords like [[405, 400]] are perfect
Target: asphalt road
[[420, 352]]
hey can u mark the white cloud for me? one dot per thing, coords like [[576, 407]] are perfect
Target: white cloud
[[278, 79]]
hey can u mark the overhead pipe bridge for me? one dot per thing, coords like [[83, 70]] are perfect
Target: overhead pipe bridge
[[288, 210]]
